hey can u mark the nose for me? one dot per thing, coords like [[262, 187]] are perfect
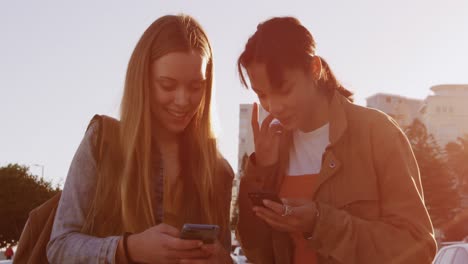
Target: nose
[[275, 106], [182, 97]]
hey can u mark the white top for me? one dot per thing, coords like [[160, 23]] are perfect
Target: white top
[[305, 155]]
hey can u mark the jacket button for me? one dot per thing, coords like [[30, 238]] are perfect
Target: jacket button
[[332, 165]]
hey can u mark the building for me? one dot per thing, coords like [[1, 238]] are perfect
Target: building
[[445, 113], [403, 110], [246, 143]]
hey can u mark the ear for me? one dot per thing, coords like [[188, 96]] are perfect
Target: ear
[[316, 67]]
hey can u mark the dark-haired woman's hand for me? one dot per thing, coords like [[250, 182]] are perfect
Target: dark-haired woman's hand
[[300, 216], [266, 139]]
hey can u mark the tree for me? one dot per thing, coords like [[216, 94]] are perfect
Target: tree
[[442, 201], [20, 192], [235, 209], [457, 157]]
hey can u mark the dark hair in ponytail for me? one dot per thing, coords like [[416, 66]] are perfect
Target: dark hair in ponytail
[[283, 42]]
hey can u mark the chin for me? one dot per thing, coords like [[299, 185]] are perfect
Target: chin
[[176, 130]]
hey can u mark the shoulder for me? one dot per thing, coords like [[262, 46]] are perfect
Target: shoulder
[[100, 121], [376, 122], [101, 128]]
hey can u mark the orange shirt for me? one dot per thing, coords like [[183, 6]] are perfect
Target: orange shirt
[[300, 187]]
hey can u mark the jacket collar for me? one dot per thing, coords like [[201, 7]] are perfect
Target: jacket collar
[[338, 126]]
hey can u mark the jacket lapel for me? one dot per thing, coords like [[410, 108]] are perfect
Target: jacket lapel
[[338, 125]]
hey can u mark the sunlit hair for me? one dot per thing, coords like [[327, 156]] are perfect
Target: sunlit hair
[[284, 43], [198, 153]]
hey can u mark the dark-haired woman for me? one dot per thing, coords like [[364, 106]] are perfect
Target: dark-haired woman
[[350, 186]]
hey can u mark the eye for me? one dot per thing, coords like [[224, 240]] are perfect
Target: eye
[[198, 85], [167, 85], [286, 88]]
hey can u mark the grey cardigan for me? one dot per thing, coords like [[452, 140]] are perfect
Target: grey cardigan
[[67, 244]]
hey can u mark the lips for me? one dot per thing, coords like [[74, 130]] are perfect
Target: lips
[[284, 120], [180, 115]]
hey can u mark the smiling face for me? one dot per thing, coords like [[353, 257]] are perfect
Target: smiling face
[[296, 101], [178, 85]]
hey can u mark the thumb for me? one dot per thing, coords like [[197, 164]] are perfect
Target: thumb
[[295, 202], [168, 230]]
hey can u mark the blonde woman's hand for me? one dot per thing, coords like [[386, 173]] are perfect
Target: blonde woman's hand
[[161, 245], [266, 139], [218, 255]]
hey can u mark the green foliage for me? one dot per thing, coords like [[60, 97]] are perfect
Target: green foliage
[[441, 198], [20, 192], [457, 156], [235, 209], [457, 159]]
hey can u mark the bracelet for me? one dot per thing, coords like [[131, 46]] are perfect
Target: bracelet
[[127, 255]]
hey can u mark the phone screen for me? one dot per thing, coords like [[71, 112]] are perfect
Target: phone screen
[[206, 233]]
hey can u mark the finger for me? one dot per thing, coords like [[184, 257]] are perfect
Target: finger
[[195, 261], [274, 206], [189, 254], [213, 248], [210, 248], [275, 127], [254, 121], [168, 230], [270, 214], [296, 202], [291, 221], [266, 125], [183, 244], [280, 226]]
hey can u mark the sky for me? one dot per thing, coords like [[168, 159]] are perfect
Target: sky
[[61, 62]]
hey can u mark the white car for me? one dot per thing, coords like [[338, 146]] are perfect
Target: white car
[[453, 254], [238, 256]]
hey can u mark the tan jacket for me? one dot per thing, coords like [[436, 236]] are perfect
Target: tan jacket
[[369, 196]]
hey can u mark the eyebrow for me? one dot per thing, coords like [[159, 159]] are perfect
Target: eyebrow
[[202, 79]]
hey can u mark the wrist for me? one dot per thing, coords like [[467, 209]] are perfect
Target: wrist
[[133, 254], [309, 233]]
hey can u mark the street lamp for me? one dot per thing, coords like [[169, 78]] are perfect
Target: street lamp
[[42, 169]]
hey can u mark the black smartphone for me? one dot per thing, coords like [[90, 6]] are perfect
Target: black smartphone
[[206, 233], [258, 197]]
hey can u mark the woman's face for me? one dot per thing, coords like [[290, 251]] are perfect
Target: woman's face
[[178, 83], [297, 102]]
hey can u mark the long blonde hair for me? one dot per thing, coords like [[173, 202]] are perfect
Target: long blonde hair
[[198, 155]]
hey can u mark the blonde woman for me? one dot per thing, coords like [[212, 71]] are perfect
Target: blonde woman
[[156, 169]]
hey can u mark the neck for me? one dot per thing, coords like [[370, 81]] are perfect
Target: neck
[[317, 117], [167, 142]]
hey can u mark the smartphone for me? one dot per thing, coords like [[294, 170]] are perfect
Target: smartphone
[[258, 197], [206, 233]]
